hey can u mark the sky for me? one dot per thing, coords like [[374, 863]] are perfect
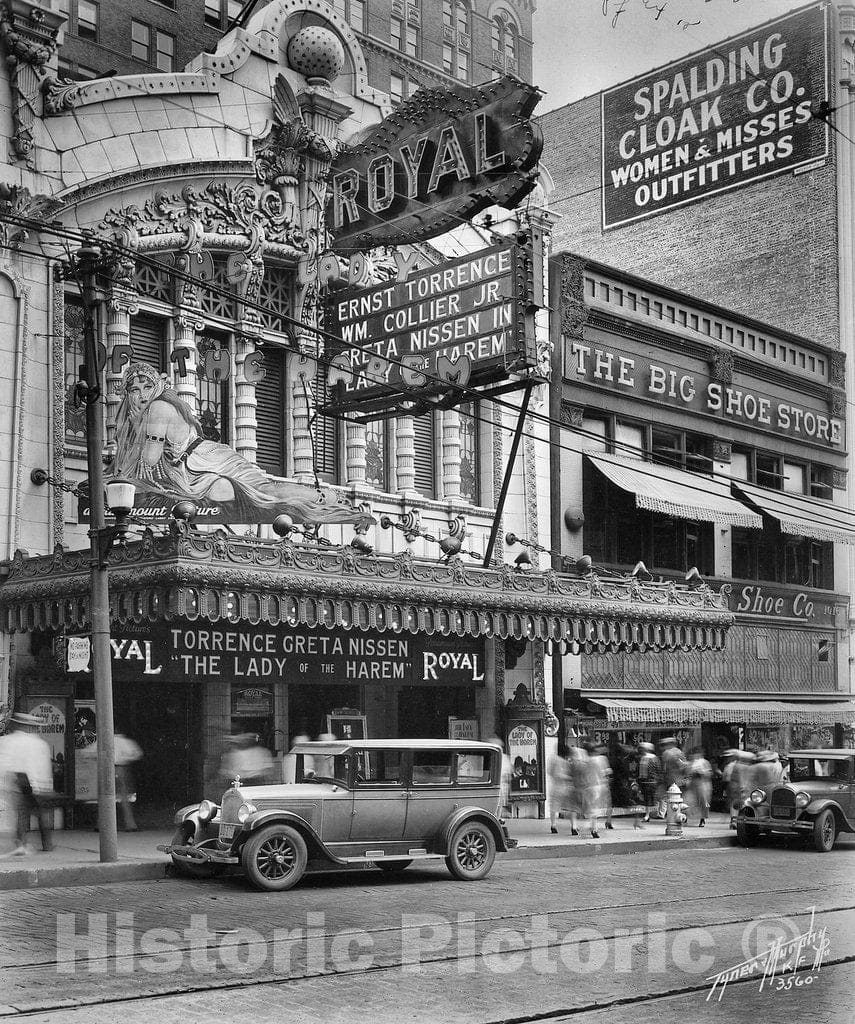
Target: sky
[[583, 46]]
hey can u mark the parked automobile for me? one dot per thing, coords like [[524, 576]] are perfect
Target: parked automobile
[[817, 803], [366, 803]]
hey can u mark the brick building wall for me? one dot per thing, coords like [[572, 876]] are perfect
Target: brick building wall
[[759, 249], [112, 49]]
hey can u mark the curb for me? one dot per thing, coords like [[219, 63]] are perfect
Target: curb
[[82, 874], [592, 848]]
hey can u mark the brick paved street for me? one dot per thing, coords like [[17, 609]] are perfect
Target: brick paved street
[[547, 938]]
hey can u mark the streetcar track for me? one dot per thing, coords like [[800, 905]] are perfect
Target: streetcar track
[[651, 997], [488, 919], [233, 984]]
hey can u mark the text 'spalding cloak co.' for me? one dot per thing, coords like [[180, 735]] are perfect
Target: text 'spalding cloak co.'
[[161, 448]]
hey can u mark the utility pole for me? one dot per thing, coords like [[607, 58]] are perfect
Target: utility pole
[[99, 589]]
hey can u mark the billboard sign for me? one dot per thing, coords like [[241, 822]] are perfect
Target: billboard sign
[[438, 158], [459, 324], [723, 117]]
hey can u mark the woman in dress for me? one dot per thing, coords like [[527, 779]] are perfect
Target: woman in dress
[[160, 447]]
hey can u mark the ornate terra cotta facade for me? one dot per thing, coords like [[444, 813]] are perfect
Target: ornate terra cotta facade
[[205, 190]]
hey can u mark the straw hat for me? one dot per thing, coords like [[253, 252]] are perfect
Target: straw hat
[[21, 718], [647, 746]]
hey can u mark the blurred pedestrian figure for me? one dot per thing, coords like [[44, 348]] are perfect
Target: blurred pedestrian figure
[[766, 770], [700, 785], [590, 795], [740, 782], [25, 767], [649, 776], [577, 763], [673, 770], [603, 774], [248, 759], [507, 771], [126, 753], [558, 772]]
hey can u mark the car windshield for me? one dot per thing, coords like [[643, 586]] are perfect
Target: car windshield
[[323, 768], [813, 769]]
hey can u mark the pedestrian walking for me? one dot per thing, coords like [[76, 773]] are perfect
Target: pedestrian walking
[[673, 770], [766, 770], [649, 777], [126, 752], [603, 773], [700, 785], [577, 763], [248, 759], [27, 780], [558, 773]]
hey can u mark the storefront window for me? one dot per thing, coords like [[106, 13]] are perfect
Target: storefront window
[[800, 561]]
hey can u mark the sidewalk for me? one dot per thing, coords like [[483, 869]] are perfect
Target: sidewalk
[[75, 857]]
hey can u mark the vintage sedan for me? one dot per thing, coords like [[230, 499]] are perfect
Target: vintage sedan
[[817, 803], [353, 804]]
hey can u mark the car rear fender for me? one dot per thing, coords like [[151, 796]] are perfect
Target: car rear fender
[[457, 818], [314, 843], [818, 806]]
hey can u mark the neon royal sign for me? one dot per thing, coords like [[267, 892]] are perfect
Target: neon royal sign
[[439, 158]]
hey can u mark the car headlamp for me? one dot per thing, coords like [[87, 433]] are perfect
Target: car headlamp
[[207, 810], [802, 800], [757, 796], [244, 811]]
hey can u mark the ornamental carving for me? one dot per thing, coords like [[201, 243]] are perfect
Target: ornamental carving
[[29, 35], [574, 312], [721, 366], [837, 370], [219, 208], [837, 403], [571, 415], [721, 451]]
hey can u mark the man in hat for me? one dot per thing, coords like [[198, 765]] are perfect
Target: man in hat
[[649, 776], [25, 768]]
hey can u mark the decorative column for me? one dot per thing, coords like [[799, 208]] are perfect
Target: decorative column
[[302, 371], [185, 356], [121, 305], [405, 454], [451, 453], [249, 370], [355, 445]]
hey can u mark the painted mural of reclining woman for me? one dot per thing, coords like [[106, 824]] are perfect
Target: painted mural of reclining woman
[[161, 447]]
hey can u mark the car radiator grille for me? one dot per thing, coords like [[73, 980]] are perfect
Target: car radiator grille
[[783, 803], [228, 814]]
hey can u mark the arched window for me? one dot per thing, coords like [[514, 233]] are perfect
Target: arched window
[[504, 35], [457, 39]]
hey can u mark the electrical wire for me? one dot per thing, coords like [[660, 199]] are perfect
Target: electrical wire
[[820, 508]]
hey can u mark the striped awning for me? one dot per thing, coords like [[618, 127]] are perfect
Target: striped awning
[[740, 712], [675, 492], [800, 515]]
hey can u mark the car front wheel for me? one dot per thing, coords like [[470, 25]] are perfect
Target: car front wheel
[[274, 859], [471, 852], [824, 831], [746, 835]]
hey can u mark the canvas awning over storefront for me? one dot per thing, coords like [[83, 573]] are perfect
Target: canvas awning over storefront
[[801, 515], [739, 712], [215, 577], [676, 493]]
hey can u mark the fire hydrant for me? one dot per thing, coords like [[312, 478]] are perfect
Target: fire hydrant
[[674, 817]]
